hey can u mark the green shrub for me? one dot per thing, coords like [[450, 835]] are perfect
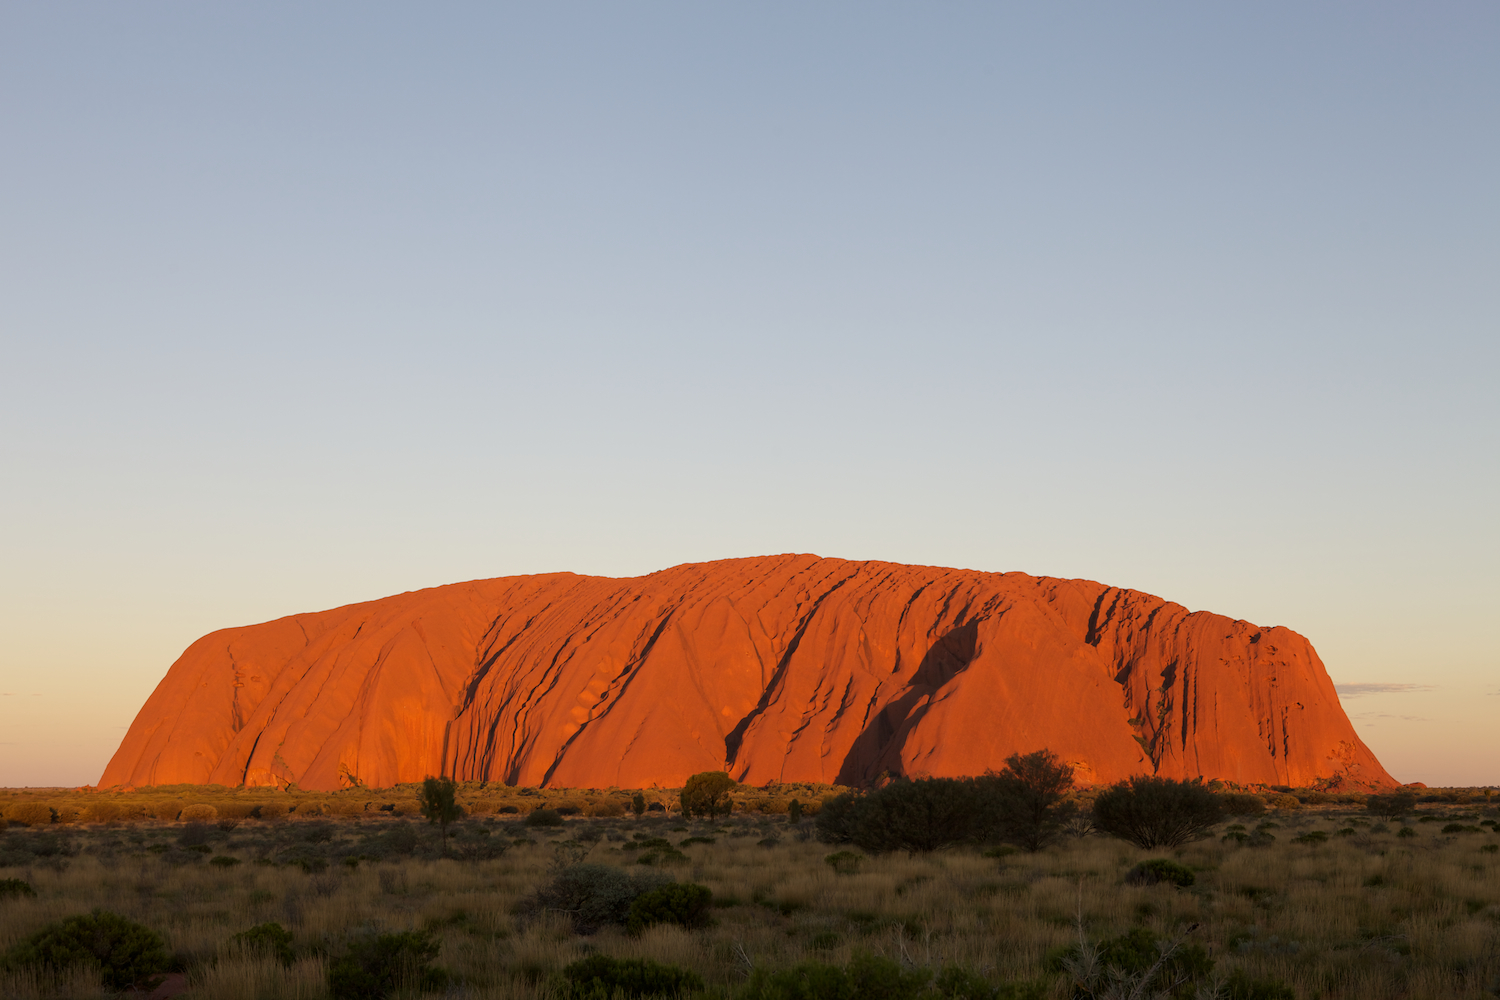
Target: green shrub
[[707, 794], [15, 887], [1310, 837], [838, 820], [223, 861], [440, 805], [866, 977], [911, 816], [1137, 963], [125, 953], [1406, 832], [662, 856], [375, 967], [1160, 870], [1240, 986], [638, 804], [794, 812], [592, 895], [1490, 848], [269, 938], [1392, 806], [1157, 812], [1242, 804], [600, 976], [544, 817], [682, 903], [844, 862], [872, 978], [1026, 803]]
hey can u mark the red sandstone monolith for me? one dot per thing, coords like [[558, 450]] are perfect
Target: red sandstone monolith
[[780, 668]]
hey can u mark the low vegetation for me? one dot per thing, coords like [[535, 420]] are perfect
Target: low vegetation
[[1294, 895]]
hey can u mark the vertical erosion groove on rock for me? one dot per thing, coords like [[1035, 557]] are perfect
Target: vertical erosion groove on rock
[[780, 668]]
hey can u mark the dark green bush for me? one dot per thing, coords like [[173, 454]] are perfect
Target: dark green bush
[[125, 953], [1391, 806], [707, 794], [15, 887], [270, 938], [544, 817], [866, 977], [1026, 803], [223, 861], [909, 816], [1311, 837], [1240, 986], [1160, 870], [599, 976], [1157, 812], [592, 895], [838, 820], [844, 862], [682, 903], [375, 967], [1135, 957]]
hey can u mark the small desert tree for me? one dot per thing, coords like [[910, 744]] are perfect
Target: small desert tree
[[707, 794], [1030, 796], [439, 806], [638, 804], [1157, 812], [1391, 806]]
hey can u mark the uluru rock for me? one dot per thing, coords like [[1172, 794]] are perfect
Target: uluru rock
[[779, 668]]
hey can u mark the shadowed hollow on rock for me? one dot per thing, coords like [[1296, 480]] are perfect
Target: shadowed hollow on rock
[[778, 668]]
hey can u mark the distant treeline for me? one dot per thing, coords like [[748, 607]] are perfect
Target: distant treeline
[[180, 803], [171, 803]]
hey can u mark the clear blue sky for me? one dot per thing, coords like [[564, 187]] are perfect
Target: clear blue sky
[[307, 304]]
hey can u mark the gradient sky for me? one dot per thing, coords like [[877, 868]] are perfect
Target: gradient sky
[[302, 305]]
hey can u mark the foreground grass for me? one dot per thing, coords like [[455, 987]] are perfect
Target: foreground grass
[[1367, 914]]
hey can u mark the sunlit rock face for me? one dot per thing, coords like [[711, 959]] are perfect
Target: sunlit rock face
[[778, 668]]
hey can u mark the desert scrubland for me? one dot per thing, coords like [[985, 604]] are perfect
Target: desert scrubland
[[1315, 898]]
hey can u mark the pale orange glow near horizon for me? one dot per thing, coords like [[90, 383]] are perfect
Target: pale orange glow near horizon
[[1195, 301]]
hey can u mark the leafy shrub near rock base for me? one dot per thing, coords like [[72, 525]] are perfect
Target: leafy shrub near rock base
[[1157, 812], [125, 953], [599, 977]]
